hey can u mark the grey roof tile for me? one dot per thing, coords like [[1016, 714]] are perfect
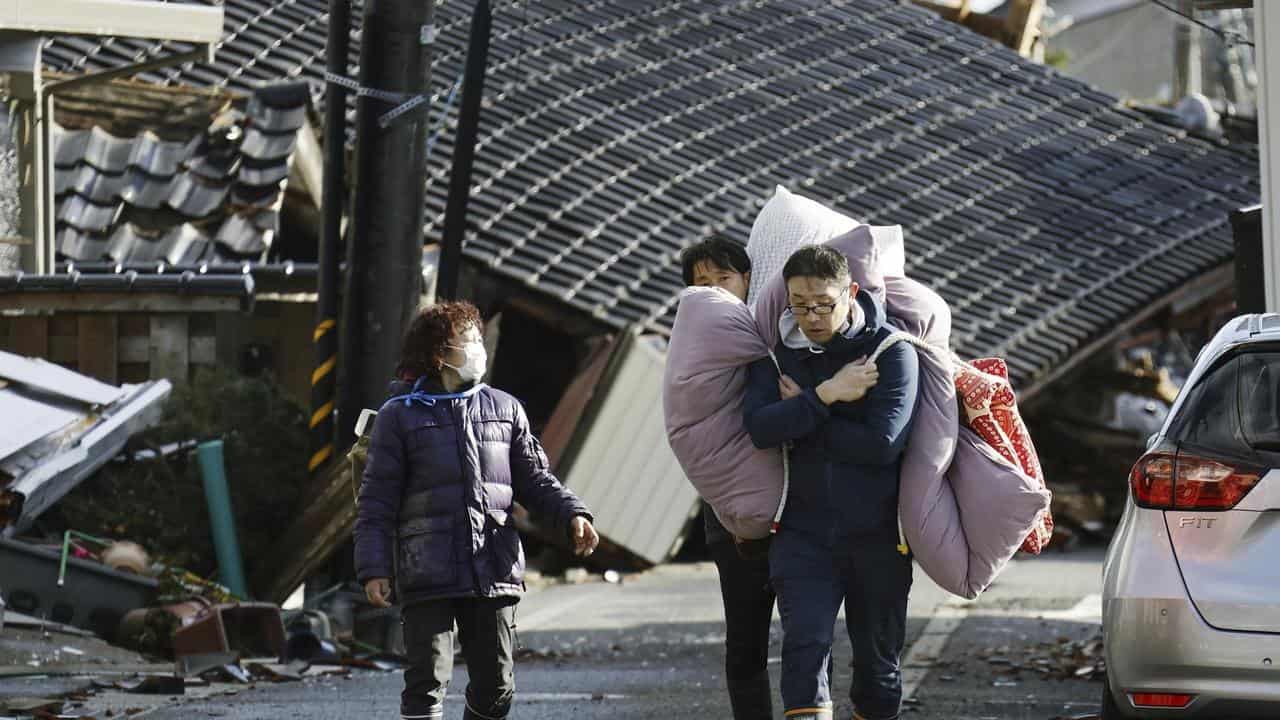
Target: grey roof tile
[[276, 120], [271, 172], [80, 213], [261, 145], [266, 197], [126, 244], [94, 185], [242, 235], [73, 243], [184, 245], [157, 157], [69, 148], [196, 197], [215, 163], [145, 191], [107, 152]]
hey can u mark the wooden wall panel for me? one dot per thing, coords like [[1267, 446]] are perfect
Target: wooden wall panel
[[31, 335], [170, 351], [96, 346]]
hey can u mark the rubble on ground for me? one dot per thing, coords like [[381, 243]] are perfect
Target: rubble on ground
[[1062, 659]]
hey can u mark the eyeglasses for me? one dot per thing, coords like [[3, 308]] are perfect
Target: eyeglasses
[[819, 309]]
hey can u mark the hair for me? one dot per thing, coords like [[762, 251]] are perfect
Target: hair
[[818, 261], [718, 250], [424, 346]]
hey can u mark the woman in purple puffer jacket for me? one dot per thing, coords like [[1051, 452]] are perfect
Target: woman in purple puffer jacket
[[448, 457]]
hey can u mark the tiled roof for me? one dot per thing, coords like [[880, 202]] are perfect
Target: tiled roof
[[615, 133], [184, 188]]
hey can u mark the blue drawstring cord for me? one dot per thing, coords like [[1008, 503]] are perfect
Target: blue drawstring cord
[[428, 399]]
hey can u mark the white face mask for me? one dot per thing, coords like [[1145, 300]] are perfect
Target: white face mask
[[475, 363]]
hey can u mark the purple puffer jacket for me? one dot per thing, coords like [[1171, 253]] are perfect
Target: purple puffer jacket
[[434, 510]]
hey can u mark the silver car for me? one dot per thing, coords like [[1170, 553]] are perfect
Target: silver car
[[1191, 585]]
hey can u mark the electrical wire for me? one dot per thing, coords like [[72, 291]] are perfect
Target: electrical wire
[[1229, 38]]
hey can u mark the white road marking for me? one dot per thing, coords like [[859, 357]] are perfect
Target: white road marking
[[566, 697], [1088, 609], [927, 649]]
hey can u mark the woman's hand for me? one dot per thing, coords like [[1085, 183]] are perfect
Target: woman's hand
[[584, 536], [378, 590]]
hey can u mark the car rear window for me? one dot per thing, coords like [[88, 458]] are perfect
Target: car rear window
[[1235, 408], [1256, 385]]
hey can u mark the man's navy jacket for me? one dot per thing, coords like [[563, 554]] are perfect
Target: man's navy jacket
[[845, 458]]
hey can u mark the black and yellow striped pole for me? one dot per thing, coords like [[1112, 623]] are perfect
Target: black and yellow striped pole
[[324, 383], [323, 387]]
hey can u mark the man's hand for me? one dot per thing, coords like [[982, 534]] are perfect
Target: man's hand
[[378, 590], [584, 536], [788, 388], [850, 384]]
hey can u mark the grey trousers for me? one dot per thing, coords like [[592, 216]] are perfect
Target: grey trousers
[[485, 628]]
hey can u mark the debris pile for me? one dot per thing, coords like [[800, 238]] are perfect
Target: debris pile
[[1061, 659], [156, 489], [1089, 441]]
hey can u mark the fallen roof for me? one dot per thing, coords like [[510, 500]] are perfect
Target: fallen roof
[[51, 378], [57, 427], [614, 134]]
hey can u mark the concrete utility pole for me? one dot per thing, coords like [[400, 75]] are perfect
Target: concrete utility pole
[[1266, 32], [384, 258]]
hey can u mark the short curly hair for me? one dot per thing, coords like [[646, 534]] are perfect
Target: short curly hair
[[424, 346]]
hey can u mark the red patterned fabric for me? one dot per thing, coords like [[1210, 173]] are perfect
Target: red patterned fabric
[[990, 410]]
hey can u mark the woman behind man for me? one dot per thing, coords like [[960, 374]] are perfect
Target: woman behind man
[[448, 457], [744, 578]]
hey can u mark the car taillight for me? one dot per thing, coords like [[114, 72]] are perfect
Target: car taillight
[[1160, 700], [1152, 481], [1165, 481]]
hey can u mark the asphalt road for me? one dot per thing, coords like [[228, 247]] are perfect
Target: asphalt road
[[652, 647]]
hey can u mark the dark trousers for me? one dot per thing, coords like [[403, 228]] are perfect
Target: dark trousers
[[485, 628], [872, 579], [748, 612]]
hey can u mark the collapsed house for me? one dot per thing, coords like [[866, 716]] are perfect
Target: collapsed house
[[1053, 219]]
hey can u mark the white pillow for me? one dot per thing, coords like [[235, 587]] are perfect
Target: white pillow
[[891, 252], [785, 224]]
